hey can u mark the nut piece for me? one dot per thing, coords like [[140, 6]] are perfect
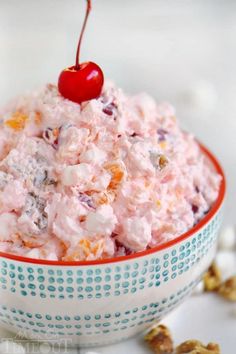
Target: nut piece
[[196, 347], [163, 162], [228, 289], [159, 340], [212, 278]]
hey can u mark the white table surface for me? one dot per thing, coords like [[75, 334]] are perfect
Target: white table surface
[[166, 48]]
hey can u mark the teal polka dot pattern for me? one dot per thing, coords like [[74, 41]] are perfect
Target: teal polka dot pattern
[[133, 286], [123, 279], [97, 323]]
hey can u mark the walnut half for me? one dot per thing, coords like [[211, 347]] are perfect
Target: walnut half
[[196, 347], [159, 340], [212, 278], [228, 289]]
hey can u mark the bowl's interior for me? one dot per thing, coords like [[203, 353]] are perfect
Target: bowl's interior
[[216, 206]]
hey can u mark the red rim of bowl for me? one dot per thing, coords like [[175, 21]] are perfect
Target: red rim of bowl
[[215, 207]]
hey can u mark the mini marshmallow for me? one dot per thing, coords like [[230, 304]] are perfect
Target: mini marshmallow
[[102, 181], [34, 253], [102, 221], [13, 196], [72, 142], [8, 224], [227, 238], [139, 156], [73, 175], [201, 96], [52, 256], [226, 261], [93, 155], [137, 233]]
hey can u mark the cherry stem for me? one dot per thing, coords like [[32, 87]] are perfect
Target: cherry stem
[[89, 6]]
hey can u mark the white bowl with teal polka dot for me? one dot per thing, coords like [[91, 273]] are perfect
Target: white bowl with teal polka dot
[[101, 302]]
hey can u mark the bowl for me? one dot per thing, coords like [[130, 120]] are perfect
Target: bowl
[[100, 302]]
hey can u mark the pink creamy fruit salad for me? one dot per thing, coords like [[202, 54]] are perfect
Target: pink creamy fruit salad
[[110, 177]]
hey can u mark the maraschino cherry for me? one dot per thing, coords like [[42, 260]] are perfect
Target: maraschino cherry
[[81, 82]]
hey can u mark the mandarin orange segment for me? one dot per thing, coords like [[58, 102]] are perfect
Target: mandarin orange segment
[[106, 198], [163, 145], [32, 243], [97, 247], [117, 174], [17, 121], [103, 199], [89, 248], [91, 192], [86, 246], [38, 118]]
